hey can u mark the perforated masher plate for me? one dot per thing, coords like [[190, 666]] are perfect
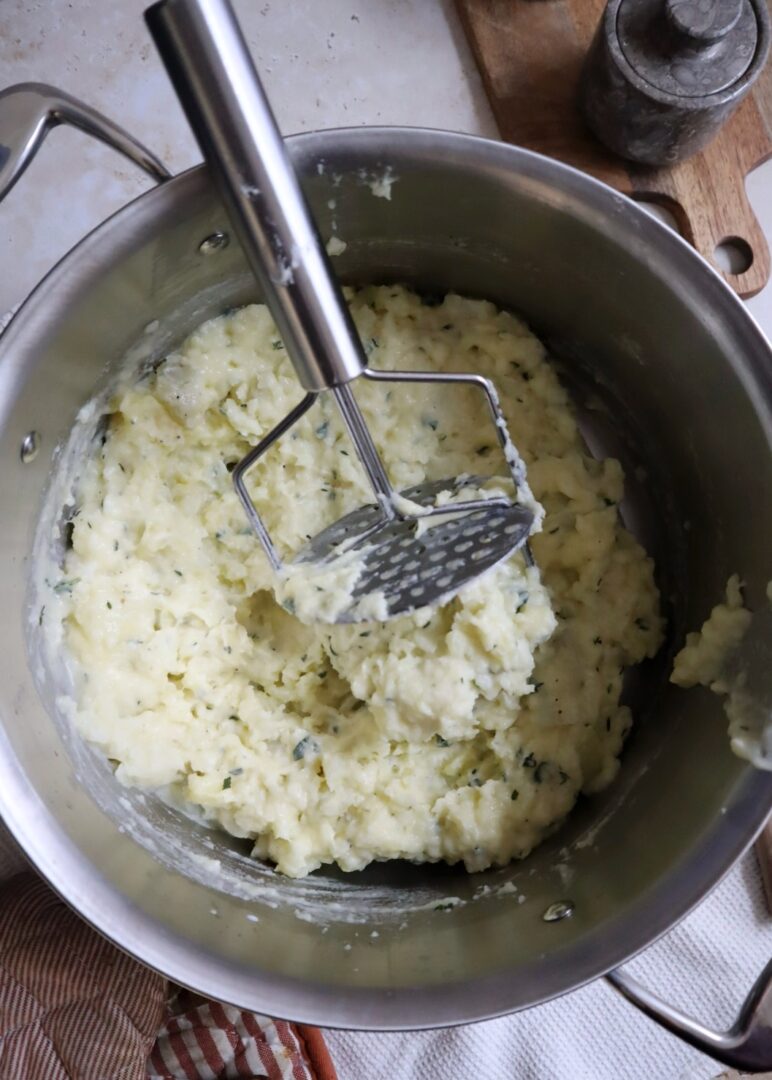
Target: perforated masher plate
[[412, 570]]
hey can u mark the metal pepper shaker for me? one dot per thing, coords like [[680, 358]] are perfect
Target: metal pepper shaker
[[662, 76]]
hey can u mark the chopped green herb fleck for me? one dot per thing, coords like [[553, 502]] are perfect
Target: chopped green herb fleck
[[66, 585], [307, 745], [277, 344], [515, 795], [226, 783], [109, 605], [321, 431], [178, 573], [440, 741]]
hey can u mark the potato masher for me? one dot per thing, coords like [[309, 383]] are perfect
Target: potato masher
[[209, 64]]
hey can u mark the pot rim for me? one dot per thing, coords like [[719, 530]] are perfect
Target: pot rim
[[669, 900]]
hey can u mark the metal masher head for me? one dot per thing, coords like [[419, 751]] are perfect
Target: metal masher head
[[403, 557], [209, 64], [412, 568]]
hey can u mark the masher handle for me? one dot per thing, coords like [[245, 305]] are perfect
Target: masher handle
[[208, 62]]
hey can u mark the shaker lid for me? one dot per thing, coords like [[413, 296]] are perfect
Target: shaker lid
[[688, 48]]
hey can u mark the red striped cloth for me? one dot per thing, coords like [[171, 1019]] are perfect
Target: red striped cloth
[[73, 1007], [203, 1040]]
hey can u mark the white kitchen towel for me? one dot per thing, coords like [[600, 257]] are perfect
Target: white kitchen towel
[[705, 966]]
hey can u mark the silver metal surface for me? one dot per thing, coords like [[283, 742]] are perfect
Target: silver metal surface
[[514, 463], [246, 463], [409, 570], [210, 245], [30, 445], [215, 79], [747, 1044], [29, 111], [670, 375], [561, 909], [413, 570], [408, 567], [209, 64], [365, 447]]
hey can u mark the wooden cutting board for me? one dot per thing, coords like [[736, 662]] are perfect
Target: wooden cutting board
[[530, 54]]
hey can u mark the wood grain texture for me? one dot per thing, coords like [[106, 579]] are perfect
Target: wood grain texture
[[530, 54]]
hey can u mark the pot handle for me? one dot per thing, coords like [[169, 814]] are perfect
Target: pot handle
[[746, 1045], [28, 111]]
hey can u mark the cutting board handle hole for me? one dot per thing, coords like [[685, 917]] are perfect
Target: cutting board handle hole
[[733, 255]]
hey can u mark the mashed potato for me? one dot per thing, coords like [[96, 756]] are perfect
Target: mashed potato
[[464, 733], [712, 657], [702, 660]]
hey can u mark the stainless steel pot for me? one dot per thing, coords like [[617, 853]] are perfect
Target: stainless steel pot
[[671, 375]]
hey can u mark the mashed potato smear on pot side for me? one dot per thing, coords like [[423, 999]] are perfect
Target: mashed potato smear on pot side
[[464, 733], [711, 657]]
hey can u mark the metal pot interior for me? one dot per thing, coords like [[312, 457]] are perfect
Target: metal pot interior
[[670, 375]]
